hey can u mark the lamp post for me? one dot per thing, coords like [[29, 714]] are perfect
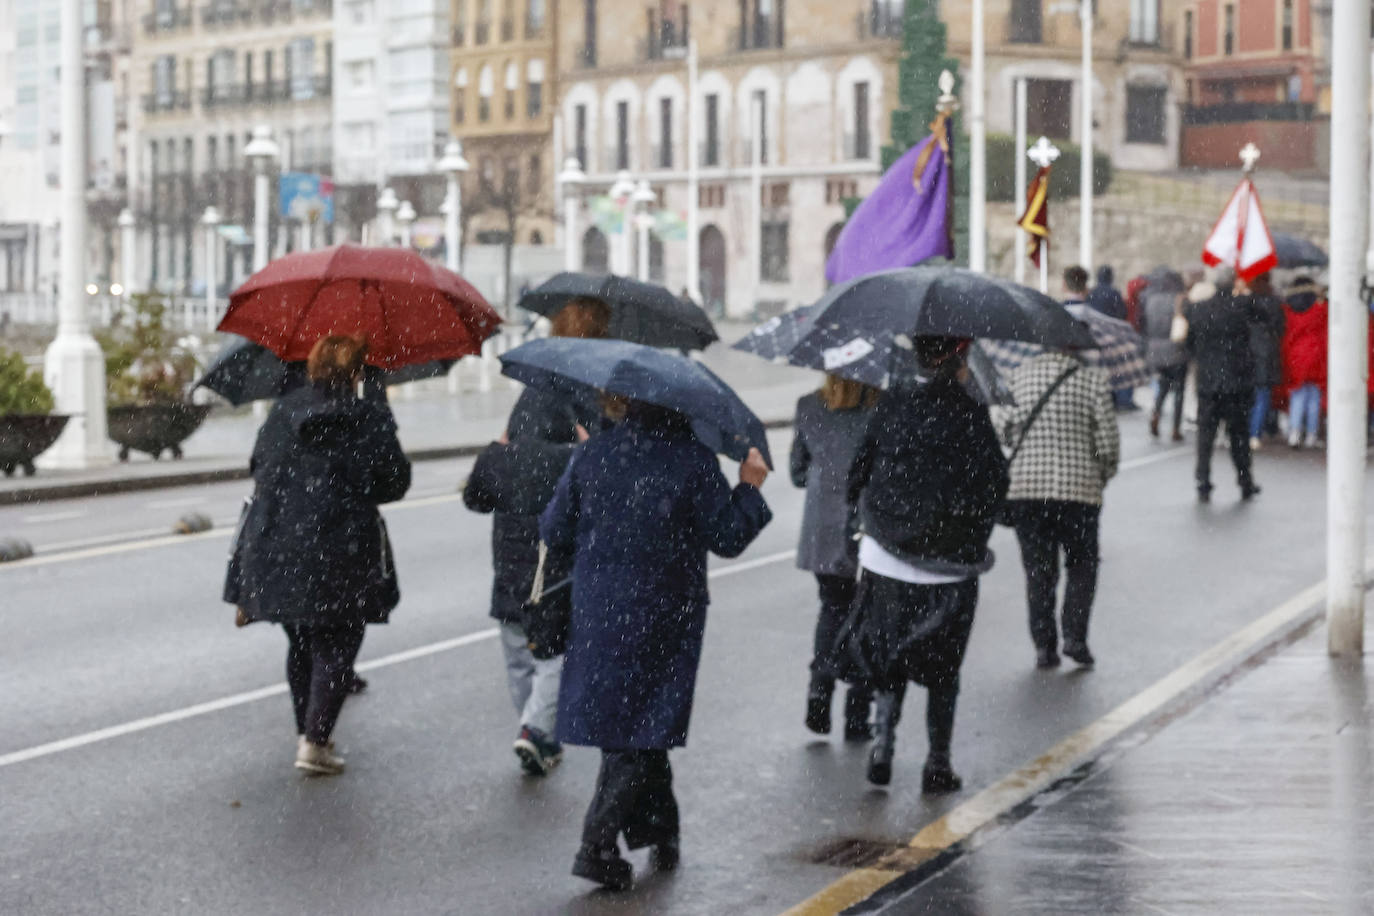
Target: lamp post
[[571, 178], [1085, 165], [74, 367], [386, 213], [211, 221], [1348, 331], [693, 177], [261, 151], [643, 196], [405, 215], [128, 249], [1019, 268], [622, 190], [977, 150], [1043, 154], [453, 165]]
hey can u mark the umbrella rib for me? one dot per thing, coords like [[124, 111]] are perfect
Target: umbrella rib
[[310, 303]]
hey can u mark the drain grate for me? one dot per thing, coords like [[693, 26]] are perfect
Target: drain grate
[[855, 852]]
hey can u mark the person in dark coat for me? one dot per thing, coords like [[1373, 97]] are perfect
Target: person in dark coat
[[1168, 358], [828, 428], [514, 481], [312, 552], [928, 480], [1107, 299], [1219, 342], [641, 504], [1266, 347]]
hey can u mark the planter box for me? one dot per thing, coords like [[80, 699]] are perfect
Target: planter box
[[23, 437], [154, 428]]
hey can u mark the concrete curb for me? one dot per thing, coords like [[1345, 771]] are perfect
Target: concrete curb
[[79, 489]]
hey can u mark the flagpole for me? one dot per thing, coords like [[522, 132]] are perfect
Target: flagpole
[[693, 178], [977, 152], [1085, 167], [1021, 234]]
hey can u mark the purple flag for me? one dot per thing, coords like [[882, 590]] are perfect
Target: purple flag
[[903, 222]]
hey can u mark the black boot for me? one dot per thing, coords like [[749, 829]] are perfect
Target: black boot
[[856, 707], [604, 866], [888, 708], [818, 704], [938, 777]]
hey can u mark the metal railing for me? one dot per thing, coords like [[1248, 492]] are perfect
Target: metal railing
[[225, 14], [232, 95], [178, 100], [1237, 112], [167, 20]]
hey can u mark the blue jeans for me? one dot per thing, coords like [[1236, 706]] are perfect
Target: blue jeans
[[1260, 412], [1305, 410]]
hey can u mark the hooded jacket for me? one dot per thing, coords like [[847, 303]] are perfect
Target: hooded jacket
[[312, 547], [1106, 298]]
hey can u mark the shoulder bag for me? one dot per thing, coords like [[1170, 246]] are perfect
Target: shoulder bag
[[1006, 515]]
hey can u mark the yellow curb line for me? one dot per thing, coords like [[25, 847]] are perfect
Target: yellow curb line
[[1004, 795]]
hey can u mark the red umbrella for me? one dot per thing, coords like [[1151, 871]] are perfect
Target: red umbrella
[[409, 310]]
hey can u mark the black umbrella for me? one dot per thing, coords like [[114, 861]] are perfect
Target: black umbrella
[[245, 371], [1294, 251], [779, 338], [573, 365], [643, 313]]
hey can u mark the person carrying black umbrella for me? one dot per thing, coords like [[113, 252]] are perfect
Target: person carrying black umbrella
[[641, 504], [927, 482]]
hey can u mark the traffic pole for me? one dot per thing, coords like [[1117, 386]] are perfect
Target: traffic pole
[[1348, 328]]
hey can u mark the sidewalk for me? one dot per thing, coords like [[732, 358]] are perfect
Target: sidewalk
[[1259, 800], [433, 423]]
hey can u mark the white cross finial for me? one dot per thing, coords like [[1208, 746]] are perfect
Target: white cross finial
[[1043, 153], [948, 102], [1250, 157]]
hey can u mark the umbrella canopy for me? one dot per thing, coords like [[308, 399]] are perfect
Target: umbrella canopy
[[932, 300], [572, 365], [1294, 252], [409, 310], [873, 360], [245, 371], [1118, 351], [643, 313]]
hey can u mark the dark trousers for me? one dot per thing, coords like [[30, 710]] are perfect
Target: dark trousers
[[941, 700], [1233, 409], [1172, 380], [634, 796], [319, 669], [837, 598], [1044, 528]]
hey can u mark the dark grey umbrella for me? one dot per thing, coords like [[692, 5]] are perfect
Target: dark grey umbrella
[[1165, 280], [1294, 252], [777, 337], [573, 365], [643, 313], [245, 371]]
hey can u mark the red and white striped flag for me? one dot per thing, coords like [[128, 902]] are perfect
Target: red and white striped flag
[[1241, 237]]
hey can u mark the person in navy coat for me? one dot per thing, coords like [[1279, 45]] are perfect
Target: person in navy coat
[[641, 505]]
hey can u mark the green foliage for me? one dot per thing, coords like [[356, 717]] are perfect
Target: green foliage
[[21, 391], [144, 362], [1063, 178]]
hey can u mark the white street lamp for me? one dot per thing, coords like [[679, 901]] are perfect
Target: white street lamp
[[386, 213], [211, 221], [643, 196], [622, 190], [128, 249], [571, 178], [74, 367], [1043, 154], [453, 165], [405, 215], [261, 151]]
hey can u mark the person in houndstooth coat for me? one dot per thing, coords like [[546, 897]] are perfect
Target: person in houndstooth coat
[[1069, 452]]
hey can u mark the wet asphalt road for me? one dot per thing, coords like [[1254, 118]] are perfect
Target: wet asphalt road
[[206, 815]]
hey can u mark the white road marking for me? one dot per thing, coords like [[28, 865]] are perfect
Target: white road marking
[[263, 693], [52, 517], [1146, 460]]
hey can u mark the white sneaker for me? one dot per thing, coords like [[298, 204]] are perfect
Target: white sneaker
[[318, 759], [1295, 439], [1255, 444]]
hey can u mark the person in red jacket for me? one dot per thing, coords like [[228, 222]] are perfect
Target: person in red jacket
[[1304, 360]]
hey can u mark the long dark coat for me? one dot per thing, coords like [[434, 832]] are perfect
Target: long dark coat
[[823, 448], [1219, 341], [313, 549], [642, 504], [515, 482], [1266, 339]]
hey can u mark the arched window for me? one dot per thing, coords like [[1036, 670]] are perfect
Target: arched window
[[534, 88], [486, 88], [713, 266], [512, 86], [460, 95], [595, 252]]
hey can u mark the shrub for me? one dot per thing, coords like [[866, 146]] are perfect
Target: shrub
[[21, 391], [1063, 178], [144, 361]]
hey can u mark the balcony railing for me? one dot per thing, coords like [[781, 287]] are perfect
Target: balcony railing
[[179, 100], [1237, 112], [218, 15], [270, 11], [234, 95], [167, 20]]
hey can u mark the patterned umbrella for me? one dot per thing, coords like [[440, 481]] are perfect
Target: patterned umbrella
[[1119, 352]]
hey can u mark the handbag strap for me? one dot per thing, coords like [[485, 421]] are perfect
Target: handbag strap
[[1040, 406]]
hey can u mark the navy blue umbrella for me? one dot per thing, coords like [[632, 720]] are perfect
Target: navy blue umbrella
[[571, 365], [777, 337]]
